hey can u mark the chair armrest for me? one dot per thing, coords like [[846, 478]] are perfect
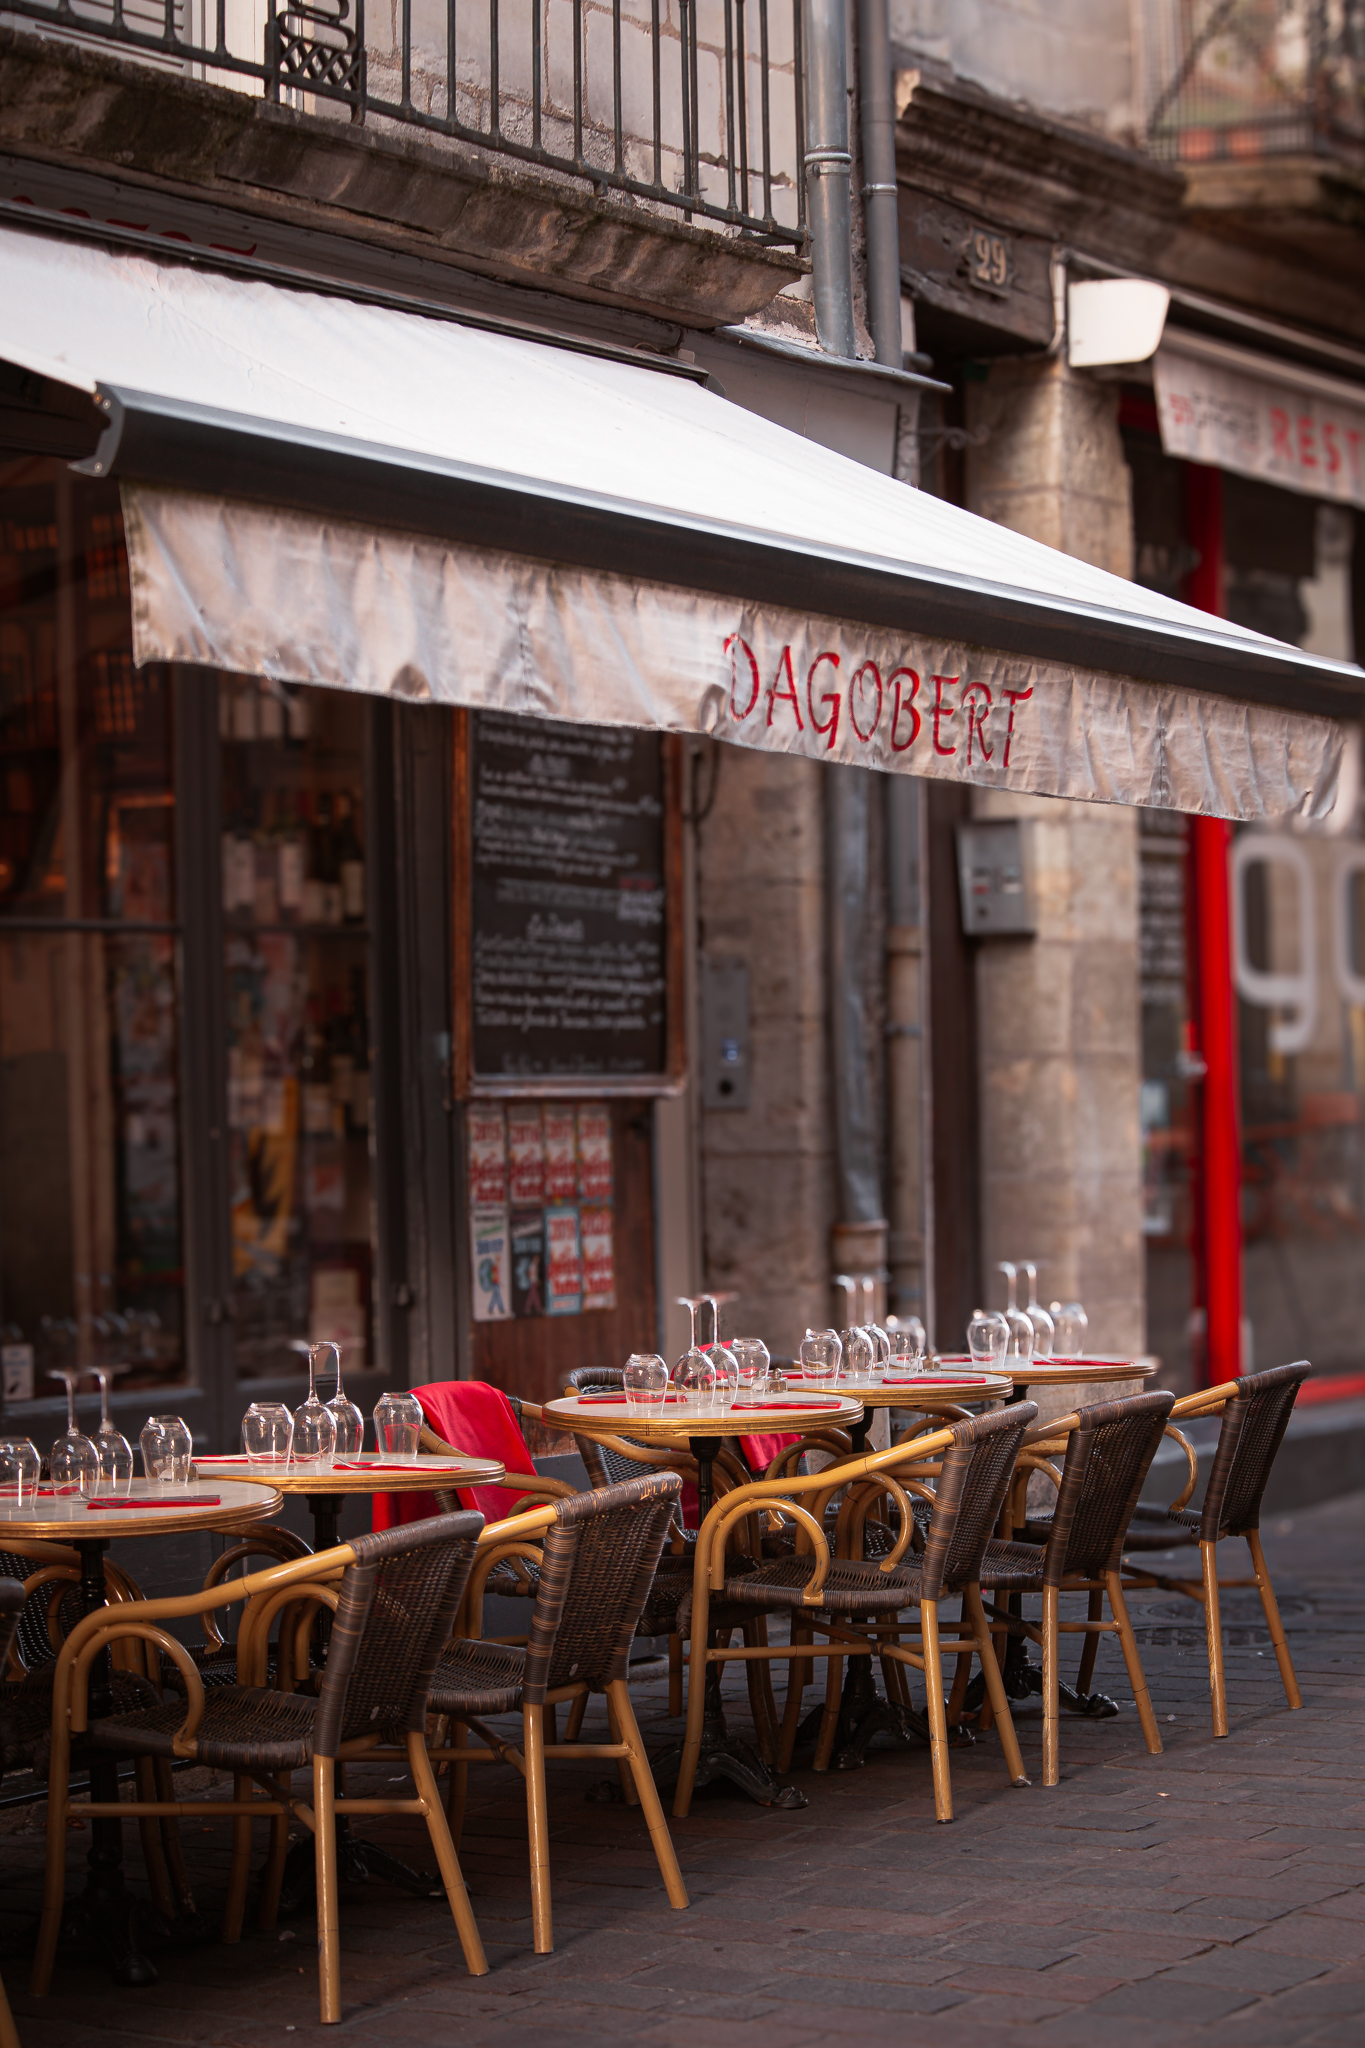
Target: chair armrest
[[78, 1677], [1192, 1462]]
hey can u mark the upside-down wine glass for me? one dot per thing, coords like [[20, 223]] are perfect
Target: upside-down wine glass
[[21, 1465], [988, 1336], [315, 1429], [1071, 1322], [723, 1359], [167, 1448], [752, 1357], [694, 1376], [822, 1354], [75, 1463], [347, 1417], [1020, 1328], [859, 1351], [268, 1433], [645, 1380], [1044, 1329], [398, 1427], [112, 1447]]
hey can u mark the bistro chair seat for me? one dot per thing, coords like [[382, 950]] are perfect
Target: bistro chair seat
[[26, 1715], [486, 1678], [1010, 1567], [601, 1551], [1256, 1411], [395, 1596], [244, 1728], [1162, 1528]]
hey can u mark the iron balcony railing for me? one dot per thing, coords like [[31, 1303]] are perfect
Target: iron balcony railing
[[1254, 78], [692, 106]]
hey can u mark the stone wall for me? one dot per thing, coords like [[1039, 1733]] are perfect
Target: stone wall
[[1059, 1018]]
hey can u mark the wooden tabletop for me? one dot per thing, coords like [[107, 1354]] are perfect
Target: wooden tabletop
[[366, 1473], [1056, 1372], [598, 1414], [70, 1519]]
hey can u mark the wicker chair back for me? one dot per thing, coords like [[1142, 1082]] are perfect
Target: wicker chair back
[[971, 1491], [396, 1610], [1107, 1460], [597, 1569], [12, 1597], [1254, 1423], [605, 1467]]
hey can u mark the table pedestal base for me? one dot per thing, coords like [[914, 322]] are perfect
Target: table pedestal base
[[1023, 1681], [729, 1757], [105, 1920]]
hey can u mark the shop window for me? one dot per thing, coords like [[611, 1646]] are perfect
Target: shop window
[[297, 961], [91, 1268]]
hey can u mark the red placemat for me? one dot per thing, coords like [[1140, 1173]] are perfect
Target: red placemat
[[118, 1507]]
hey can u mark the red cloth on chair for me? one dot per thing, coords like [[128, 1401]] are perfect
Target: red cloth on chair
[[759, 1451], [478, 1419]]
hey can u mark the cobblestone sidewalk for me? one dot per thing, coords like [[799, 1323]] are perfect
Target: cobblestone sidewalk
[[1213, 1895]]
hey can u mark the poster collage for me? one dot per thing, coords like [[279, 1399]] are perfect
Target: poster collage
[[541, 1190]]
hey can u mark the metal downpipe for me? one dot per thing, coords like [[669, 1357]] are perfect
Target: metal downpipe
[[877, 131], [828, 170]]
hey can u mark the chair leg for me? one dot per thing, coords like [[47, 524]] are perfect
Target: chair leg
[[573, 1727], [1085, 1674], [995, 1685], [1051, 1697], [172, 1846], [54, 1878], [325, 1864], [938, 1719], [796, 1692], [758, 1679], [628, 1792], [158, 1877], [9, 2033], [1271, 1607], [618, 1695], [696, 1713], [538, 1829], [240, 1876], [272, 1880], [829, 1720], [675, 1672], [447, 1862], [1137, 1677], [1213, 1627], [457, 1783]]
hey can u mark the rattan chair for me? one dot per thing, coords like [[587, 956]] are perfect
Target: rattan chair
[[600, 1553], [12, 1598], [1256, 1411], [856, 1603], [395, 1596], [1079, 1549]]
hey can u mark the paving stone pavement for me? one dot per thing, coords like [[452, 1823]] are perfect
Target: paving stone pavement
[[1210, 1896]]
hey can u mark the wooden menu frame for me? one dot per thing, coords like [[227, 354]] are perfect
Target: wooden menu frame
[[469, 1085]]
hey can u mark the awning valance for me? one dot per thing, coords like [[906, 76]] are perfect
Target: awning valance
[[339, 493]]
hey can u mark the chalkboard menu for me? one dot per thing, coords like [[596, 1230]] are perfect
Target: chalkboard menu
[[568, 926]]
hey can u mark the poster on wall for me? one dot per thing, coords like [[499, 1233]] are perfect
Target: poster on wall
[[541, 1189]]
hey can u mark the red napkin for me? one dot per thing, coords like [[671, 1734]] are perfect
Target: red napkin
[[197, 1500], [353, 1465], [477, 1419]]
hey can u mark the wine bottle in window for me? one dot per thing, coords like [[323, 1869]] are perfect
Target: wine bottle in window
[[325, 858], [350, 856], [293, 857]]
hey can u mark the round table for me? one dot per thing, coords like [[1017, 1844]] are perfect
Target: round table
[[922, 1392], [1061, 1372], [106, 1913], [368, 1472], [722, 1755]]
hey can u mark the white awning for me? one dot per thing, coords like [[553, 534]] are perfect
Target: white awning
[[340, 493]]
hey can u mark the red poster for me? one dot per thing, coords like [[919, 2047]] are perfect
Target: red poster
[[594, 1153], [563, 1262], [599, 1258], [526, 1152], [561, 1162], [487, 1155]]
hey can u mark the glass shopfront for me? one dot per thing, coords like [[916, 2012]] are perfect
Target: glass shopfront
[[241, 1104], [1291, 567]]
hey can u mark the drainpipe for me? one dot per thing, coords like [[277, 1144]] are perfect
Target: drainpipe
[[829, 166], [859, 1236], [877, 133]]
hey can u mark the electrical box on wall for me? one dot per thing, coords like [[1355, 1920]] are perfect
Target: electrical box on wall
[[995, 876], [725, 1034]]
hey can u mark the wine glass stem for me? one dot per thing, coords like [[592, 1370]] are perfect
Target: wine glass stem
[[71, 1404]]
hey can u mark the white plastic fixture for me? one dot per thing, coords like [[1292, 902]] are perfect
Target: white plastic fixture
[[1114, 320]]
